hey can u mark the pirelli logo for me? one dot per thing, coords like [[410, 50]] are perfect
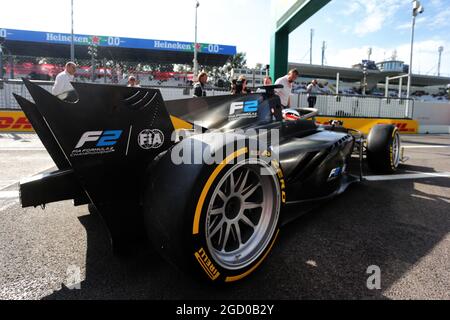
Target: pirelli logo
[[206, 264], [276, 166]]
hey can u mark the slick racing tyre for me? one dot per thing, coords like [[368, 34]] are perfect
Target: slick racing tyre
[[384, 148], [219, 221]]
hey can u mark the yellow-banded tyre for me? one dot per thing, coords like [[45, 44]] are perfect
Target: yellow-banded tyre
[[384, 148], [220, 221]]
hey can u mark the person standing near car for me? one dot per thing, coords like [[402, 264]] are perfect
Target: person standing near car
[[199, 87], [311, 91], [267, 81], [63, 79], [285, 92], [132, 82]]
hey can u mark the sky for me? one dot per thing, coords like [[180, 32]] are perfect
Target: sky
[[349, 27]]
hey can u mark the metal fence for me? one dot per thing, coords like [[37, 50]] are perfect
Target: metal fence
[[8, 87], [98, 70], [359, 106], [328, 105]]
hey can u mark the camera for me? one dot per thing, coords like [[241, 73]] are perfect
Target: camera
[[417, 8], [239, 85], [239, 82]]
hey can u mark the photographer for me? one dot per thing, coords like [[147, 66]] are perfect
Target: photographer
[[239, 86]]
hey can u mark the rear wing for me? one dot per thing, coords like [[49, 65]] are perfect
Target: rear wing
[[102, 143]]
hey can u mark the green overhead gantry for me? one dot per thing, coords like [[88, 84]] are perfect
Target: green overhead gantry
[[298, 13]]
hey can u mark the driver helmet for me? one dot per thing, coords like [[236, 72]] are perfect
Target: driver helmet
[[291, 114]]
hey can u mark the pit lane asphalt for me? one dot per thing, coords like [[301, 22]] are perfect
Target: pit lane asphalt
[[402, 226]]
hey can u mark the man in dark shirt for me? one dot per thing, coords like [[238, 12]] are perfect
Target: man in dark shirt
[[199, 87]]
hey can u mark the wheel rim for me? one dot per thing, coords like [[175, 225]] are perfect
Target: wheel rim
[[242, 214], [396, 149]]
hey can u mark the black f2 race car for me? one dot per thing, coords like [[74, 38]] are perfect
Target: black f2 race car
[[207, 180]]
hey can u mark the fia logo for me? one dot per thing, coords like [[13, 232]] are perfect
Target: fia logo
[[151, 139]]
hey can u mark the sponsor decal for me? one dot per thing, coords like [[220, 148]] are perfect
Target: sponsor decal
[[59, 37], [174, 45], [403, 127], [184, 46], [336, 172], [391, 149], [96, 40], [364, 125], [14, 123], [151, 139], [243, 109], [83, 39], [109, 41], [206, 264], [96, 143], [280, 175]]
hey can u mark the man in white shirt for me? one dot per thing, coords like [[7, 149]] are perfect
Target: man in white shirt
[[63, 79], [312, 90], [287, 82]]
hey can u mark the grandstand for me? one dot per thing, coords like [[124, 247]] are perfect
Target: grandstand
[[423, 87]]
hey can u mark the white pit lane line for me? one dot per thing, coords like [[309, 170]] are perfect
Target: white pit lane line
[[423, 147], [7, 183], [6, 195], [8, 199], [408, 176], [6, 149]]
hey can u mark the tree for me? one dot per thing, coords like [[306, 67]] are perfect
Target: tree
[[182, 68], [238, 61], [160, 67]]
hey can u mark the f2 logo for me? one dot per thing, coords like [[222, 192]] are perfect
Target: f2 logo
[[245, 106], [104, 138]]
